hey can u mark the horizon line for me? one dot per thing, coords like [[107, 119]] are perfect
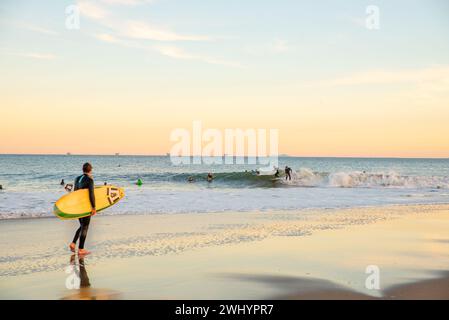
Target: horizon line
[[167, 155]]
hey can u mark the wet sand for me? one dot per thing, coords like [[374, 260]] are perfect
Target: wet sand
[[315, 254]]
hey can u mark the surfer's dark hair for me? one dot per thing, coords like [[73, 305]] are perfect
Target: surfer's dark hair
[[87, 167]]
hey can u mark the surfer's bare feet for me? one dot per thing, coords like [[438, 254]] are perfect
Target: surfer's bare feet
[[72, 247], [83, 252]]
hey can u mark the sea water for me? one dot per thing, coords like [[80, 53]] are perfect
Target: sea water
[[31, 184]]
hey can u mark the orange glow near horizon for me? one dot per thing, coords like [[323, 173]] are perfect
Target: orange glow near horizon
[[308, 126]]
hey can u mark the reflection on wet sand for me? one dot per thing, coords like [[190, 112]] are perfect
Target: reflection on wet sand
[[270, 255], [78, 281], [298, 288]]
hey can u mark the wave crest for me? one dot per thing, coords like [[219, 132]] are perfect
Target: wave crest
[[354, 179], [305, 177]]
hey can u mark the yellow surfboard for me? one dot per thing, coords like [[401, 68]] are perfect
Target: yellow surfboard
[[77, 205]]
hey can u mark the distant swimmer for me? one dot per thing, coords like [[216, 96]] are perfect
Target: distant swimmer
[[191, 179], [105, 183], [62, 182], [139, 182], [210, 177], [1, 187], [85, 181], [288, 173], [68, 187]]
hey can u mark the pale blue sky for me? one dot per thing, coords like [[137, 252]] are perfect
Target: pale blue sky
[[284, 40]]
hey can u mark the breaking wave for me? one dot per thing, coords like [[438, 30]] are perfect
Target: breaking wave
[[354, 179], [307, 178]]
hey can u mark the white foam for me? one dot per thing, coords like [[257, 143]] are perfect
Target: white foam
[[147, 201], [354, 179]]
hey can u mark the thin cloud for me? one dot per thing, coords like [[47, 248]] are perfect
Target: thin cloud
[[279, 46], [108, 38], [132, 33], [274, 47], [91, 10], [40, 30], [133, 28], [143, 30], [166, 50], [127, 2], [173, 52], [178, 53], [391, 76], [421, 85], [31, 27], [40, 56]]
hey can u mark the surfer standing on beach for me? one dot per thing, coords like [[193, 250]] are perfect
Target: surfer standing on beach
[[85, 181]]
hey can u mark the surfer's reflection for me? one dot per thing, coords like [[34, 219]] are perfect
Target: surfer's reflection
[[79, 282]]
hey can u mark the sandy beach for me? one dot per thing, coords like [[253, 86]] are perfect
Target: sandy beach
[[308, 254]]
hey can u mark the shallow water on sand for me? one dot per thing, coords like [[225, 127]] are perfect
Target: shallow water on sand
[[228, 255]]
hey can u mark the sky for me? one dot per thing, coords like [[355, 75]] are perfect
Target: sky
[[132, 71]]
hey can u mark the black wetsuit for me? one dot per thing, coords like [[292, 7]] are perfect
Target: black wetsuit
[[288, 172], [84, 182]]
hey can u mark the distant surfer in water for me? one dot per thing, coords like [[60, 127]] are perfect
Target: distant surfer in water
[[288, 173], [210, 177], [85, 181], [277, 173], [62, 182]]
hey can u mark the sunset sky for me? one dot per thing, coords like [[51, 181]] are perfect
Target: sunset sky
[[135, 70]]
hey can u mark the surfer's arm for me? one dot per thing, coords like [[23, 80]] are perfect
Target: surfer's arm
[[91, 193]]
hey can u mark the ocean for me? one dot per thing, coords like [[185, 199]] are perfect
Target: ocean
[[31, 184]]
